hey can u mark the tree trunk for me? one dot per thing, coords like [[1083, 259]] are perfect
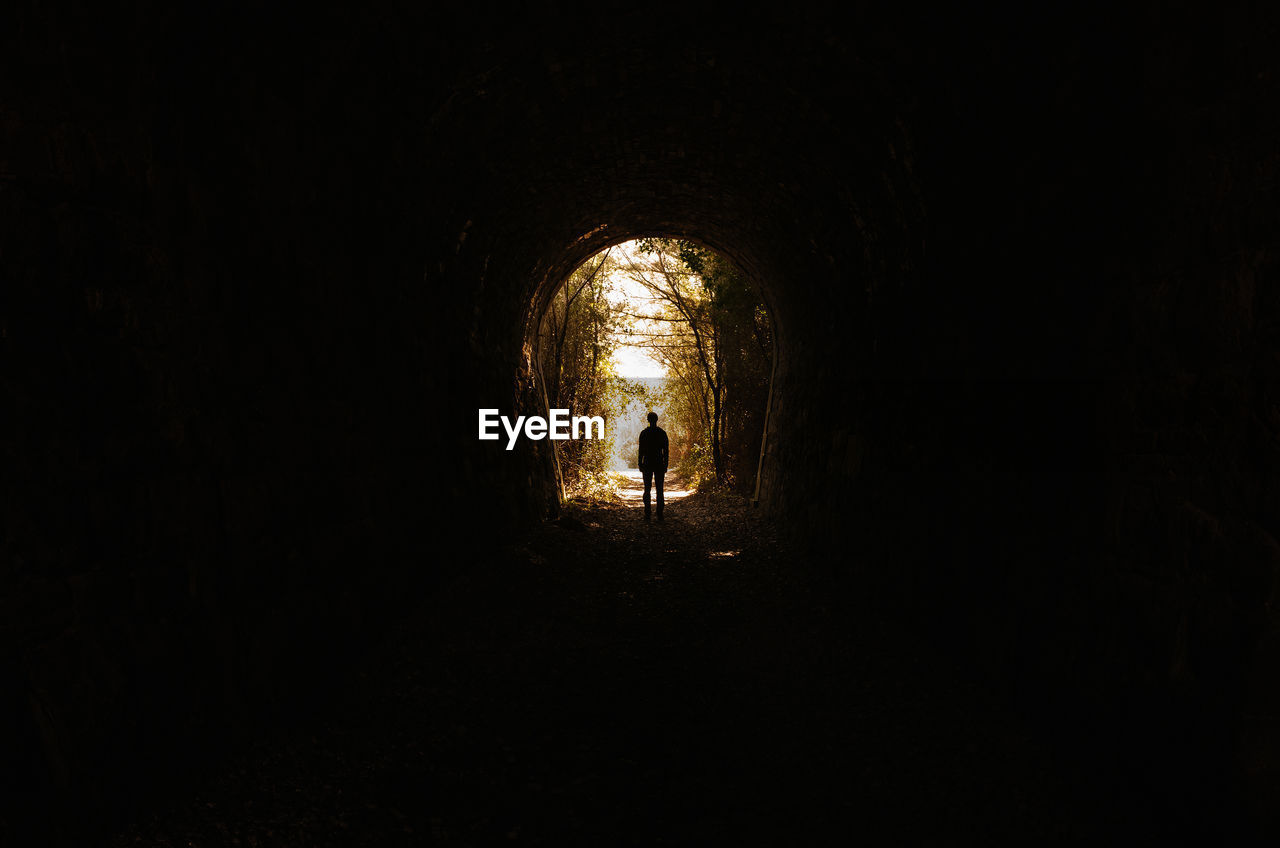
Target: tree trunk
[[716, 461]]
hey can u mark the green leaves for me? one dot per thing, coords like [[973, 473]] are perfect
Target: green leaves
[[689, 309]]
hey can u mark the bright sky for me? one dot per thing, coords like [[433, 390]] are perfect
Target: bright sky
[[633, 361]]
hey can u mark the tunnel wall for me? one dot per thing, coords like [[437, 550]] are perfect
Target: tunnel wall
[[1188, 409], [206, 481], [1095, 513], [261, 270]]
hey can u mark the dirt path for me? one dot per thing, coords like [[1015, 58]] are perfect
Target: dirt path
[[632, 490], [617, 682]]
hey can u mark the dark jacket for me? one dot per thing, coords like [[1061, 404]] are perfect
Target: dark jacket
[[653, 448]]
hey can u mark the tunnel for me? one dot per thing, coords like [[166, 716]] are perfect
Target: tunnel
[[260, 268]]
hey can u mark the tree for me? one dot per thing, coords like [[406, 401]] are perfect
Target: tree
[[577, 336], [715, 342]]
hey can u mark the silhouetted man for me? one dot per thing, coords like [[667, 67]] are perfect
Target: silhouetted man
[[653, 460]]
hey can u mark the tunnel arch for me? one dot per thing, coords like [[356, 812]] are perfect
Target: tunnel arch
[[813, 306], [827, 225], [584, 142]]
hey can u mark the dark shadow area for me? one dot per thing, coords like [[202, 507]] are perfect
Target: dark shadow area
[[260, 268]]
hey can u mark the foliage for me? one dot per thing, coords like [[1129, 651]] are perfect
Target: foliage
[[596, 486], [704, 322], [576, 341], [717, 345], [696, 466]]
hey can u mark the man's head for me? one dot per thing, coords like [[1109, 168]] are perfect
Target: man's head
[[653, 418]]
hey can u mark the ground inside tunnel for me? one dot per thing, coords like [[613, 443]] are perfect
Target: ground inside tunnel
[[612, 681]]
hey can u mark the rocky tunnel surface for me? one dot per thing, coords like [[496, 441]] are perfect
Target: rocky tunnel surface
[[259, 272]]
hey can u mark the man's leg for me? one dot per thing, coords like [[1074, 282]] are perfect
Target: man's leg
[[657, 479], [648, 480]]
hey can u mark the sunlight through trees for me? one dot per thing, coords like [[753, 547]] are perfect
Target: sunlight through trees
[[678, 308]]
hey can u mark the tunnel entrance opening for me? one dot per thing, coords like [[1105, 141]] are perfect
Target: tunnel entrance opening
[[663, 325]]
